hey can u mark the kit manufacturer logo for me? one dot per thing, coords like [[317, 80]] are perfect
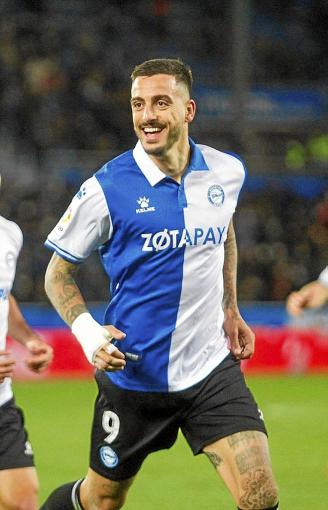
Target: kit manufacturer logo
[[144, 207]]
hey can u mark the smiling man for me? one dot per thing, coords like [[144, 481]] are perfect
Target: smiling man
[[168, 355], [162, 110]]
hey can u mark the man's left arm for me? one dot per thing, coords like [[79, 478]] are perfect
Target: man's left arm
[[40, 353], [241, 337]]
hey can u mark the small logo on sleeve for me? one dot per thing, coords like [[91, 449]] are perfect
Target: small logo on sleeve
[[108, 457], [144, 207], [81, 193], [28, 448], [215, 195]]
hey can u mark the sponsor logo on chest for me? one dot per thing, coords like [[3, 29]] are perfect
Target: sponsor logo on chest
[[176, 238]]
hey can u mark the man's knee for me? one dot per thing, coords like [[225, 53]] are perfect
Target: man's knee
[[258, 491], [105, 503], [103, 494]]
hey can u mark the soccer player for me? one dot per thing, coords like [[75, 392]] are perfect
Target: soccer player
[[18, 477], [311, 295], [168, 357]]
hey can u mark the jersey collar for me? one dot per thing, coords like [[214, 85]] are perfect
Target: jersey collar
[[151, 171]]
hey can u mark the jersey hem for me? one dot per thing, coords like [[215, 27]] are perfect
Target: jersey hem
[[171, 388]]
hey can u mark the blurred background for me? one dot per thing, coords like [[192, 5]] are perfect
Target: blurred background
[[261, 75]]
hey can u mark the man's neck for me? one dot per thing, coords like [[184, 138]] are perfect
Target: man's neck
[[174, 162]]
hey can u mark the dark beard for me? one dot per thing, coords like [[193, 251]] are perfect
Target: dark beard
[[158, 151], [161, 151]]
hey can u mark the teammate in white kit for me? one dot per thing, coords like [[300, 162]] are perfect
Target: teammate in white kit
[[312, 295], [18, 477], [168, 357]]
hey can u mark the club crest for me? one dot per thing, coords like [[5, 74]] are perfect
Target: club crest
[[215, 195]]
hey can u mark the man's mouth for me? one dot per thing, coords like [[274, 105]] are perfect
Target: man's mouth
[[152, 129], [152, 132]]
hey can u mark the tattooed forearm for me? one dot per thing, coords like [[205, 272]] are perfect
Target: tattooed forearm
[[230, 269], [214, 458], [62, 290]]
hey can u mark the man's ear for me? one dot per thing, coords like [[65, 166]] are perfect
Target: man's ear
[[190, 110]]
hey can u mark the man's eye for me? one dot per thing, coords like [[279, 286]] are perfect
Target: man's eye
[[162, 104], [137, 106]]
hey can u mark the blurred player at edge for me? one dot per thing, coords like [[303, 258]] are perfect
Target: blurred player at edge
[[161, 216], [312, 295], [18, 477]]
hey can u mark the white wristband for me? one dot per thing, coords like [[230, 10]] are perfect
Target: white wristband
[[91, 335]]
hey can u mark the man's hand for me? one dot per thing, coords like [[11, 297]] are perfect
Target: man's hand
[[96, 342], [108, 357], [40, 355], [312, 295], [241, 337], [7, 364]]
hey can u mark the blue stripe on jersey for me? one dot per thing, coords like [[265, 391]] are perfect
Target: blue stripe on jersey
[[145, 279], [63, 253], [197, 161]]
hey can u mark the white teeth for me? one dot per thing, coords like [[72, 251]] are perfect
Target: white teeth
[[151, 130]]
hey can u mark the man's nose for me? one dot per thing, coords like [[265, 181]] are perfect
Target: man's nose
[[149, 113]]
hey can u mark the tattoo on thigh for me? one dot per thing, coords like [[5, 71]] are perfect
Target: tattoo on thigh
[[250, 458], [259, 490], [214, 458], [241, 438]]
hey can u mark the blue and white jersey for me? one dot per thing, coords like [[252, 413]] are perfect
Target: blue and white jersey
[[162, 247], [11, 243]]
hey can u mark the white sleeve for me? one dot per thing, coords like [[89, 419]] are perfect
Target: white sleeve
[[85, 225], [17, 237], [323, 277]]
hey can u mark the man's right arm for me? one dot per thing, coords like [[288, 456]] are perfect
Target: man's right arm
[[67, 299], [62, 290]]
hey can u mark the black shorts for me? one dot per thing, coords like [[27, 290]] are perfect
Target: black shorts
[[128, 425], [15, 449]]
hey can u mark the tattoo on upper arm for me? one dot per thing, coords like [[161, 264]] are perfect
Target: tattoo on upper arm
[[214, 458]]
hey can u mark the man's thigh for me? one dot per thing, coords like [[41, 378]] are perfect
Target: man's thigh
[[243, 462], [221, 406], [127, 426]]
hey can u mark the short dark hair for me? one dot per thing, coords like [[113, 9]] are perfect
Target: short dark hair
[[173, 66]]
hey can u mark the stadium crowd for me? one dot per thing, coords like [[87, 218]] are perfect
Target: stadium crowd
[[283, 239], [63, 65], [64, 86]]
